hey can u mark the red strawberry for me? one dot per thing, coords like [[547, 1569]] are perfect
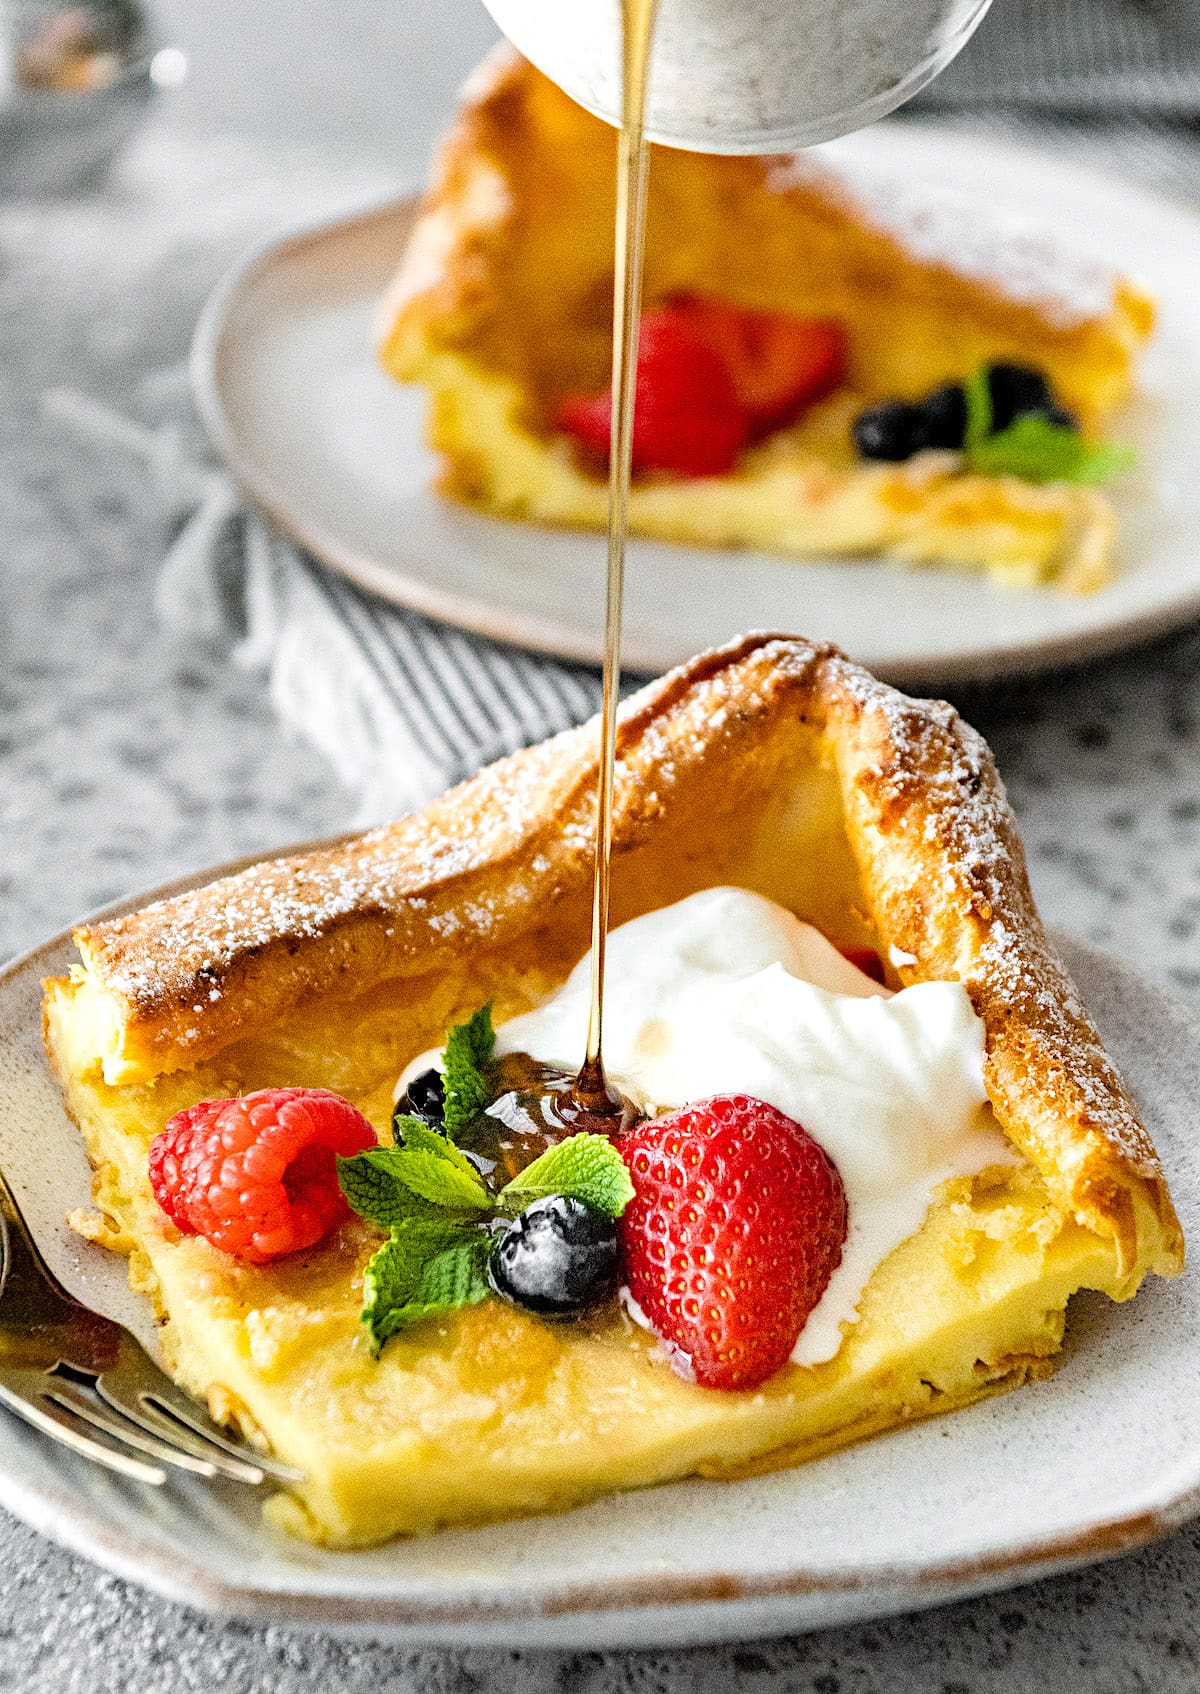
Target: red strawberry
[[866, 960], [686, 417], [779, 363], [736, 1225]]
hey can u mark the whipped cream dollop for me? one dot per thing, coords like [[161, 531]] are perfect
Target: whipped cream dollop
[[727, 992]]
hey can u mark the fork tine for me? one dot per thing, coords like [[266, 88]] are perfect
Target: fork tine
[[137, 1386], [174, 1404], [59, 1427], [81, 1405], [146, 1415], [101, 1365]]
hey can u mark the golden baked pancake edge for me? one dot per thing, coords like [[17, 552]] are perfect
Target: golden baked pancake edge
[[772, 763]]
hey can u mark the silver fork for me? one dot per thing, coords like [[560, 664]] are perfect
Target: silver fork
[[87, 1383]]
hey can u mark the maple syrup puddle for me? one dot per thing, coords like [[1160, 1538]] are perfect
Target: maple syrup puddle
[[536, 1105]]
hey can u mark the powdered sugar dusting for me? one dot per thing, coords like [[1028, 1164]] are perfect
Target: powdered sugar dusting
[[944, 769], [1023, 259], [936, 833], [184, 948]]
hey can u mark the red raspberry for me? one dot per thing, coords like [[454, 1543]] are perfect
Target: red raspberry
[[257, 1176], [687, 417], [737, 1223]]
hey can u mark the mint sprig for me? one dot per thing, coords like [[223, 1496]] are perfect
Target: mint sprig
[[429, 1197], [978, 395], [1037, 450], [469, 1048], [584, 1167], [424, 1268], [427, 1174], [1032, 447], [373, 1190]]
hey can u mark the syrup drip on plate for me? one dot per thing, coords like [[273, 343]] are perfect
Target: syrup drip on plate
[[591, 1095]]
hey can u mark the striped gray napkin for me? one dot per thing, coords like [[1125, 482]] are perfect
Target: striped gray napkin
[[401, 706]]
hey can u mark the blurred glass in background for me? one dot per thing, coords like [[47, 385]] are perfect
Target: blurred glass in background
[[74, 81]]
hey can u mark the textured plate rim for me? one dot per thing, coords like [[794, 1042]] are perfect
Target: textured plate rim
[[66, 1518], [1024, 655]]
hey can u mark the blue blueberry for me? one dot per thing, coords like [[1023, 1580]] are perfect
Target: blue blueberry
[[425, 1098], [892, 431], [558, 1258]]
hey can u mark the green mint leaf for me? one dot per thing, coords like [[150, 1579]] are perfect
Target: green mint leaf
[[419, 1138], [978, 394], [440, 1180], [469, 1047], [393, 1273], [584, 1167], [1032, 447], [1040, 451], [421, 1270], [388, 1184], [416, 1134], [455, 1277], [374, 1189]]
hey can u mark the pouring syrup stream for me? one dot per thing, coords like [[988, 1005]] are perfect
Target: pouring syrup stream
[[591, 1093]]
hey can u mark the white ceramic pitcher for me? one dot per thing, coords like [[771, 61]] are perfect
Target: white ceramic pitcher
[[748, 76]]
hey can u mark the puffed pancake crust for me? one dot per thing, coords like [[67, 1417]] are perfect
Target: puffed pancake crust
[[771, 764], [503, 304]]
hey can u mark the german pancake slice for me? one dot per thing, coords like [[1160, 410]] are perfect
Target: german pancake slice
[[773, 766], [501, 309]]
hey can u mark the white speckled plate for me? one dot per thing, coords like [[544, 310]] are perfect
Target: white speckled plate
[[1100, 1459], [285, 377]]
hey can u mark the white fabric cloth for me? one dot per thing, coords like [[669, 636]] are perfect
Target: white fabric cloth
[[400, 707]]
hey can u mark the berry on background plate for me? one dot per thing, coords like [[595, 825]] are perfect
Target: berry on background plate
[[779, 363], [711, 379], [687, 417]]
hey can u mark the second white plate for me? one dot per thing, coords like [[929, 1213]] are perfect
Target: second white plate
[[287, 382]]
